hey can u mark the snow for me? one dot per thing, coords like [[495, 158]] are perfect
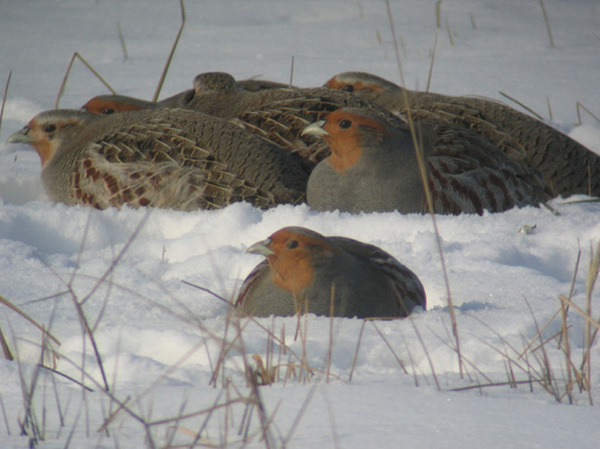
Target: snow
[[160, 338]]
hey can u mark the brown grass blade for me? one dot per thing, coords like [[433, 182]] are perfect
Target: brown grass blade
[[61, 90], [581, 106], [431, 65], [5, 348], [14, 308], [168, 63], [527, 108], [547, 23], [4, 98], [423, 173]]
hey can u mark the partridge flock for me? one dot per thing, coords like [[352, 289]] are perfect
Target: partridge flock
[[358, 144]]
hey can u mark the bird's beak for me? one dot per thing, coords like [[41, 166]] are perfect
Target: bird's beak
[[21, 137], [316, 129], [261, 247]]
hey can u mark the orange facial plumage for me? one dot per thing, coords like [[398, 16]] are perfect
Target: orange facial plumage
[[112, 104], [291, 259], [344, 137]]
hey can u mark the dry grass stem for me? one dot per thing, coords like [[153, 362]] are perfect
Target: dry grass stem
[[450, 38], [387, 343], [299, 416], [5, 348], [466, 360], [355, 358], [61, 90], [431, 65], [14, 308], [8, 432], [69, 378], [332, 422], [580, 311], [4, 98], [423, 173], [472, 16], [122, 40], [547, 23], [579, 108], [424, 346], [527, 108], [511, 384], [292, 72], [566, 350], [171, 53]]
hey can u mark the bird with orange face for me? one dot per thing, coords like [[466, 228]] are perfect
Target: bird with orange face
[[567, 166], [374, 167], [164, 158], [306, 272]]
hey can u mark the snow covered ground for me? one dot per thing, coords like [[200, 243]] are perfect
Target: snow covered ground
[[160, 339]]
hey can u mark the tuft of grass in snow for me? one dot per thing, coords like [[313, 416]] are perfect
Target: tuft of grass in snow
[[535, 360]]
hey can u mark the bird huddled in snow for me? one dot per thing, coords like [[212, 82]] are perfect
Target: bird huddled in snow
[[306, 272], [164, 158], [567, 166], [374, 167]]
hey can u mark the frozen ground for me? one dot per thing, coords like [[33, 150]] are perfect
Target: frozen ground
[[160, 338]]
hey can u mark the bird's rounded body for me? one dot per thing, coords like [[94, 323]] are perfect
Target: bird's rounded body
[[164, 158], [374, 168], [334, 276], [566, 166]]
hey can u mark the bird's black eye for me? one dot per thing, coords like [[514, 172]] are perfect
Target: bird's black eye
[[345, 124], [348, 88], [108, 111], [50, 128], [291, 244]]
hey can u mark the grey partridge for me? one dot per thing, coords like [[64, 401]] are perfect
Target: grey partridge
[[305, 271], [566, 166], [164, 158], [278, 115], [374, 168]]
